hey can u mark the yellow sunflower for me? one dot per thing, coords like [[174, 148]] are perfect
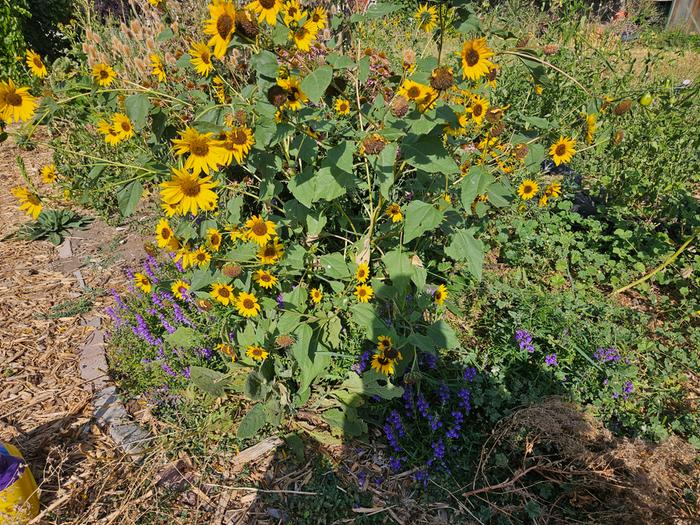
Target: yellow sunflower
[[189, 192], [256, 353], [364, 293], [383, 343], [260, 230], [267, 10], [475, 59], [412, 90], [142, 282], [271, 253], [428, 100], [247, 305], [382, 364], [200, 58], [440, 295], [157, 68], [265, 279], [295, 96], [235, 233], [553, 190], [48, 174], [164, 234], [318, 18], [528, 189], [316, 295], [214, 239], [226, 349], [112, 136], [123, 126], [29, 202], [342, 106], [563, 150], [237, 143], [590, 128], [180, 289], [292, 12], [478, 108], [35, 64], [16, 103], [542, 202], [426, 17], [222, 292], [393, 211], [205, 152], [200, 257], [219, 90], [303, 36], [362, 272], [103, 74], [220, 26]]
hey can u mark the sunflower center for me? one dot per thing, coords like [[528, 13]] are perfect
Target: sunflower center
[[391, 353], [259, 228], [343, 107], [265, 278], [527, 189], [561, 149], [362, 292], [223, 292], [383, 361], [413, 92], [13, 99], [269, 251], [165, 233], [201, 257], [224, 26], [477, 110], [204, 57], [33, 199], [248, 303], [215, 239], [104, 74], [190, 187], [199, 147], [37, 62], [361, 274], [267, 4], [257, 352], [239, 137], [126, 126], [472, 57]]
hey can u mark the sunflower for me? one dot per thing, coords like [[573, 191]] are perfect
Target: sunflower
[[142, 282], [200, 257], [256, 353], [35, 64], [316, 295], [214, 239], [342, 106], [155, 3], [157, 68], [428, 100], [200, 58], [205, 152], [122, 125], [29, 202], [590, 128], [219, 90], [440, 295], [562, 150], [492, 76], [292, 12], [103, 74], [363, 293], [303, 36], [247, 305], [382, 364], [184, 256], [189, 192], [394, 212], [222, 292], [235, 233], [221, 26], [226, 349], [383, 343], [528, 189], [478, 108], [295, 96], [318, 18], [237, 143], [412, 90], [48, 174], [260, 230], [267, 10], [265, 279], [180, 289], [362, 272], [553, 190], [542, 202], [271, 253], [426, 17], [112, 136], [164, 234], [475, 54], [16, 103]]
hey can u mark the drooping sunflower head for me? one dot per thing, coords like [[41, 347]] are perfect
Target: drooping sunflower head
[[35, 64], [16, 103], [200, 57], [103, 74], [295, 96], [227, 350], [392, 353], [442, 78], [220, 26], [265, 279], [342, 106], [382, 364], [271, 253], [189, 192], [303, 36], [553, 190], [528, 189], [426, 17], [316, 295], [475, 59], [591, 126], [318, 18], [214, 239], [394, 212], [29, 202], [157, 68], [48, 174], [440, 295], [247, 305], [563, 150], [383, 343]]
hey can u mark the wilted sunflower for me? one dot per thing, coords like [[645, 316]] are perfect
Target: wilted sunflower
[[157, 68], [478, 108], [226, 349], [394, 212], [29, 202], [189, 192], [256, 353], [590, 128], [142, 282], [440, 295], [364, 293], [205, 152], [48, 174], [200, 57], [316, 295], [342, 106], [271, 253], [265, 279], [563, 150], [222, 292], [103, 74], [122, 125], [426, 17], [382, 364], [318, 18], [475, 54], [200, 257], [220, 26], [237, 144], [267, 10], [247, 305], [362, 272], [214, 239], [112, 136], [303, 36], [16, 103], [260, 230], [295, 96], [180, 289], [528, 189], [35, 64]]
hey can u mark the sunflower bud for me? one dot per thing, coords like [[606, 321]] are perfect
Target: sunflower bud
[[442, 78], [247, 24], [374, 144], [284, 341], [623, 107], [232, 270], [399, 106], [277, 96], [550, 49]]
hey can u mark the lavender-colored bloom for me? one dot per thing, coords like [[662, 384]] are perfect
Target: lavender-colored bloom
[[168, 370], [186, 372], [439, 450], [141, 330], [118, 300], [168, 327], [363, 363], [551, 360], [395, 420], [429, 361], [361, 479], [465, 402], [422, 406], [524, 339], [115, 317], [470, 374], [156, 300], [148, 270], [178, 263], [627, 389], [422, 476], [395, 464], [206, 353], [454, 431], [435, 422], [444, 393], [391, 437], [407, 399], [606, 355], [152, 311], [179, 316]]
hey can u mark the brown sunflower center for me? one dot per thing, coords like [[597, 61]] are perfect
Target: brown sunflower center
[[343, 107], [165, 233], [301, 33], [204, 57], [259, 228], [265, 278], [248, 303], [472, 57], [293, 94], [477, 110], [361, 274], [126, 126], [269, 251], [413, 92], [201, 257], [239, 137], [215, 239], [560, 150], [267, 4], [527, 188], [199, 147], [383, 361], [224, 26], [362, 292], [223, 292], [257, 352], [37, 62], [190, 187], [391, 353], [315, 17], [13, 99]]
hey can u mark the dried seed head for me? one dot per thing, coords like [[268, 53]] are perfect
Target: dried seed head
[[498, 129], [204, 304], [521, 151], [284, 341], [232, 270], [523, 41], [241, 117], [277, 96], [442, 78], [623, 107], [550, 49], [374, 144], [150, 249], [409, 58], [247, 24], [399, 106], [494, 115]]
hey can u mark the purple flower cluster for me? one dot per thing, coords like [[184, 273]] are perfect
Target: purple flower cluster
[[524, 339], [141, 330], [470, 374], [627, 389], [428, 361], [363, 363], [394, 430], [607, 355], [551, 360]]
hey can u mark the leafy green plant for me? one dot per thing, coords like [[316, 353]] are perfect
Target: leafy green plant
[[52, 225]]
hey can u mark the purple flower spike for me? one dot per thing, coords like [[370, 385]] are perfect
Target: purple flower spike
[[551, 360]]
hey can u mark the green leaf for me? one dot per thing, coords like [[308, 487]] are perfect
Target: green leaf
[[420, 218], [363, 69], [165, 35], [538, 122], [310, 364], [331, 331], [339, 61], [334, 266], [137, 107], [384, 168], [443, 335], [400, 269], [184, 337], [534, 158], [265, 63], [210, 381], [315, 84], [498, 194], [128, 197], [372, 384], [378, 10], [364, 315], [475, 183], [426, 152], [252, 422], [464, 247]]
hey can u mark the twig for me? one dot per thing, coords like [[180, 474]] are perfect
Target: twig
[[502, 484]]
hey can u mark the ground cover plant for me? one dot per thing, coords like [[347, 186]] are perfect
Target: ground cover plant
[[407, 244]]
